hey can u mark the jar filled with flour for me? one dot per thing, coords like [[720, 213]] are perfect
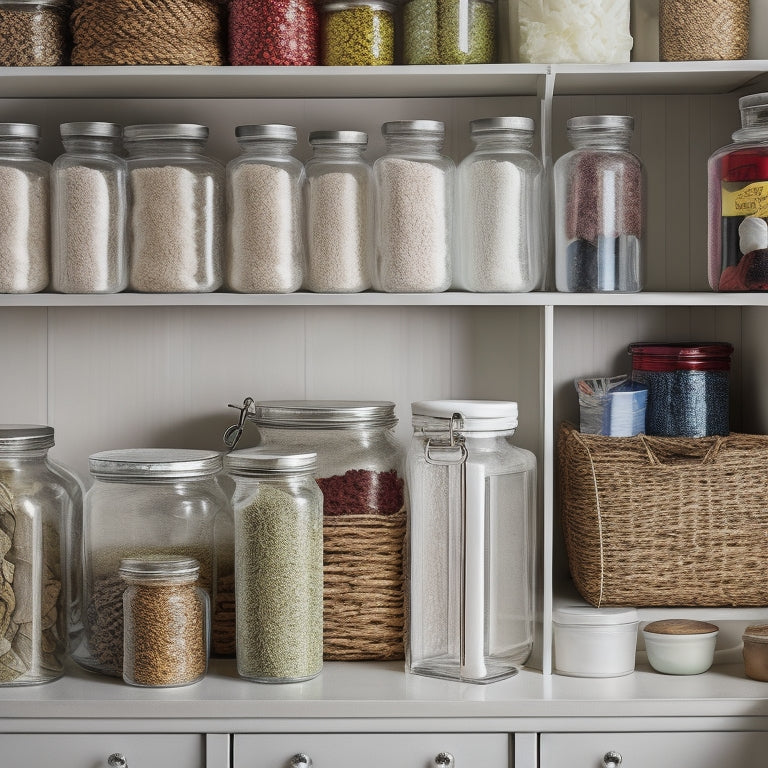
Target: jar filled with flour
[[339, 207], [89, 211], [176, 220], [414, 209], [24, 225], [499, 208], [265, 250]]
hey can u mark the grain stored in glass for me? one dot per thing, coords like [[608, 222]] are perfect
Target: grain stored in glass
[[89, 211], [278, 565], [24, 200], [449, 32], [357, 33], [472, 506], [599, 208], [499, 208], [274, 33], [414, 209], [36, 507], [176, 219], [738, 203], [338, 200], [703, 30], [33, 33], [165, 619], [143, 503], [265, 240], [576, 31]]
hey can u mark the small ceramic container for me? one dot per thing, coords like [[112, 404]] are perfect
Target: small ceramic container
[[595, 642], [756, 652], [680, 646]]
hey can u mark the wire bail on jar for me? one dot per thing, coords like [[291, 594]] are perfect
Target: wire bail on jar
[[454, 442], [233, 434]]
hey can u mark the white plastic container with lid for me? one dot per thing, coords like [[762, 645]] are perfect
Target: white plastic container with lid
[[594, 642]]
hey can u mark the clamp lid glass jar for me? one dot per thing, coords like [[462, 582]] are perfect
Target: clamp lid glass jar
[[144, 502], [88, 205], [24, 196], [278, 565], [33, 33], [357, 33], [500, 222], [472, 507], [177, 209]]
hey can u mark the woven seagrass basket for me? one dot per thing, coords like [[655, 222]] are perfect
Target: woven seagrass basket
[[660, 521], [363, 599]]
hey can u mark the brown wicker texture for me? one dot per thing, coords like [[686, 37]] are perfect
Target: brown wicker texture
[[178, 32], [363, 605], [652, 521], [703, 30]]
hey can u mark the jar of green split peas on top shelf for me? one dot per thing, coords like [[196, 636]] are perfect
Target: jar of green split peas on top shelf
[[357, 33]]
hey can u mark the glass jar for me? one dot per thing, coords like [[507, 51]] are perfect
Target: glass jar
[[703, 30], [24, 239], [165, 619], [35, 508], [449, 32], [265, 244], [414, 208], [688, 389], [472, 506], [357, 33], [599, 208], [278, 565], [738, 205], [338, 199], [499, 205], [33, 33], [273, 33], [88, 211], [177, 209], [588, 32], [145, 502]]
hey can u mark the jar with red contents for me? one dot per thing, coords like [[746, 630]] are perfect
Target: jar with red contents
[[738, 203], [273, 33]]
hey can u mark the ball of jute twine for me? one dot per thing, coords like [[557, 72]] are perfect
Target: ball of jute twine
[[703, 30], [114, 32]]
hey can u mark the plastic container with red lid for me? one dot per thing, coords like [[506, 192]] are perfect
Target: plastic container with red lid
[[688, 387]]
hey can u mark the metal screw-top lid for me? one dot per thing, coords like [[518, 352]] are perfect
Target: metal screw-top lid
[[159, 567], [149, 131], [476, 415], [154, 464], [25, 437], [376, 5], [257, 461], [588, 122], [324, 414], [19, 131], [489, 125], [105, 130], [434, 128], [271, 131], [338, 137]]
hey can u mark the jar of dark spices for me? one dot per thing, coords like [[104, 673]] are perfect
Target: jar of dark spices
[[688, 387], [357, 33], [33, 33], [278, 565], [599, 208], [273, 33]]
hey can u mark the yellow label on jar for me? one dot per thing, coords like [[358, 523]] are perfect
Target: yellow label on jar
[[751, 200]]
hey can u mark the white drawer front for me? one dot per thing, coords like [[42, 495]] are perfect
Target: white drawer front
[[652, 750], [372, 750], [85, 750]]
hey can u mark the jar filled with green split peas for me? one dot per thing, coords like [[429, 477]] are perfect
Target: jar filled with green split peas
[[357, 33], [449, 32]]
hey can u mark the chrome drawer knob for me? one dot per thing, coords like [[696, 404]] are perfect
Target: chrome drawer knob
[[612, 759], [444, 758], [301, 761], [117, 760]]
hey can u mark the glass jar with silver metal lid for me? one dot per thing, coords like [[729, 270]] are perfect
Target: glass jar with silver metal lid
[[499, 208], [278, 510], [89, 211], [144, 502], [357, 33], [24, 225], [33, 33], [338, 193], [265, 239], [176, 225], [36, 511]]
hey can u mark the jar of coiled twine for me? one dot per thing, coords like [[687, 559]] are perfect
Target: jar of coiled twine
[[108, 32], [703, 30]]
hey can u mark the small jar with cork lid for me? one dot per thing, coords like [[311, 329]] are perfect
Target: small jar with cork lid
[[680, 646], [755, 652]]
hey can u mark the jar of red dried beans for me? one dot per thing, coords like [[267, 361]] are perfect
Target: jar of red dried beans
[[273, 33]]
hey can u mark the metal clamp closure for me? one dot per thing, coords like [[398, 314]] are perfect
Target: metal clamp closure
[[233, 433], [448, 452]]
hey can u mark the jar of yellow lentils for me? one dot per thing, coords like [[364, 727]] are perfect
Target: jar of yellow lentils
[[357, 33]]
